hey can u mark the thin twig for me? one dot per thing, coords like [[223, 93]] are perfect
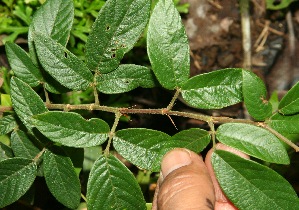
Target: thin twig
[[112, 132], [281, 137]]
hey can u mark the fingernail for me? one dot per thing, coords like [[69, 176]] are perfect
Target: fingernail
[[174, 160]]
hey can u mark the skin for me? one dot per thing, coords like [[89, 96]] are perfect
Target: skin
[[188, 183]]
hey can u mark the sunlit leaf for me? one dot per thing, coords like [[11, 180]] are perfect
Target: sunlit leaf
[[250, 185], [194, 139], [125, 78], [54, 19], [143, 147], [61, 64], [7, 124], [214, 90], [115, 31], [167, 45], [61, 178], [16, 177], [254, 141], [22, 65], [26, 102], [284, 124], [22, 146], [112, 186], [71, 129], [289, 104], [255, 94]]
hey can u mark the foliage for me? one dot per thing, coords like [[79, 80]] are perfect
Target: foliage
[[49, 139], [277, 5]]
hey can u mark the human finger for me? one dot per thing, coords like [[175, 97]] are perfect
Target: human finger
[[184, 183]]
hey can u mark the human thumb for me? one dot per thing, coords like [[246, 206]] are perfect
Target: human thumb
[[184, 183]]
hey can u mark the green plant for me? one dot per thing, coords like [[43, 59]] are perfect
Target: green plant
[[48, 139]]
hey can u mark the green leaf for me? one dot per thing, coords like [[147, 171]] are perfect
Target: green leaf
[[284, 124], [142, 147], [168, 46], [254, 141], [77, 156], [274, 101], [22, 65], [5, 100], [125, 78], [5, 152], [250, 185], [214, 90], [277, 5], [16, 177], [55, 19], [194, 139], [115, 31], [61, 178], [25, 101], [61, 64], [255, 94], [22, 146], [7, 124], [112, 186], [71, 129], [290, 102]]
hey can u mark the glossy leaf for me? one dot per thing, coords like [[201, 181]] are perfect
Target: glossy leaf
[[194, 139], [289, 104], [250, 185], [54, 19], [125, 78], [112, 186], [22, 65], [214, 90], [168, 46], [26, 102], [115, 31], [61, 64], [7, 124], [71, 129], [284, 124], [254, 141], [16, 177], [5, 152], [255, 94], [22, 146], [62, 179], [142, 147]]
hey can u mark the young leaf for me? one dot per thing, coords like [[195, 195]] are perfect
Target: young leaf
[[143, 147], [22, 146], [125, 78], [255, 93], [61, 178], [71, 129], [254, 141], [214, 90], [7, 124], [168, 46], [114, 33], [194, 139], [16, 177], [250, 185], [290, 102], [5, 152], [284, 124], [54, 19], [22, 65], [61, 64], [25, 101], [112, 186]]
